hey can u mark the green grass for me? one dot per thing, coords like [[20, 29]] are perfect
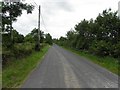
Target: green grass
[[14, 74], [0, 66], [0, 78], [107, 62]]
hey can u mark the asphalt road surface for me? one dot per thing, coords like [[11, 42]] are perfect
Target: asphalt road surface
[[63, 69]]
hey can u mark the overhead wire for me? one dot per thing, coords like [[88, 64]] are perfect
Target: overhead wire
[[44, 23], [37, 6]]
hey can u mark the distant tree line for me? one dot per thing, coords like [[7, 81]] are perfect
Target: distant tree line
[[100, 36], [33, 37]]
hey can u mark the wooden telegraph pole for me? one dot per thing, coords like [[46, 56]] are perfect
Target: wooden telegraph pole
[[38, 41]]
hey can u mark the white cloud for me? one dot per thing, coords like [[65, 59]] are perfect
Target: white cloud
[[119, 9], [62, 15]]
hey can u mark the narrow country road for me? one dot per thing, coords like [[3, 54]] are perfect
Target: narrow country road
[[63, 69]]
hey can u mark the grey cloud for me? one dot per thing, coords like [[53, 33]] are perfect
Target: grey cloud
[[65, 6], [61, 15], [50, 9], [53, 7]]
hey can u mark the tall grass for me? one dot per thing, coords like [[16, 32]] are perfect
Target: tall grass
[[19, 50], [14, 74]]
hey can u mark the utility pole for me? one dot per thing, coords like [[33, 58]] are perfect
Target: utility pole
[[39, 25], [37, 46], [38, 42]]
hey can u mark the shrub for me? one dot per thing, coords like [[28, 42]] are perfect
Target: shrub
[[100, 48], [18, 51], [117, 50]]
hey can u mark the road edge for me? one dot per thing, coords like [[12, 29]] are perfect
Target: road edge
[[39, 63]]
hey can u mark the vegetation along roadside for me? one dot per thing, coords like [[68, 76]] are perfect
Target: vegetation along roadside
[[17, 71]]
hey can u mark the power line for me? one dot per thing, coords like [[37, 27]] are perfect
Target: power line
[[43, 22], [41, 15], [37, 6], [35, 3]]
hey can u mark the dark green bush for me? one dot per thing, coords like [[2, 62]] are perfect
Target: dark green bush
[[18, 51], [117, 50], [100, 48]]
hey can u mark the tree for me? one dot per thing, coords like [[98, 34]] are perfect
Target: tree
[[17, 38], [29, 38], [62, 41], [48, 39], [107, 26], [12, 11], [34, 33], [33, 37], [84, 34], [100, 36]]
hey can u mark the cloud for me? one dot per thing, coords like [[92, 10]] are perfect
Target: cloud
[[62, 15], [26, 22], [65, 6], [51, 8]]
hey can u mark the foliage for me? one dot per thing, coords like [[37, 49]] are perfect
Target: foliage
[[18, 58], [15, 73], [33, 36], [17, 38], [100, 36], [12, 11], [23, 46], [19, 50], [48, 39]]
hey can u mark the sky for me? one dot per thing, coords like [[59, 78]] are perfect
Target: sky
[[59, 16]]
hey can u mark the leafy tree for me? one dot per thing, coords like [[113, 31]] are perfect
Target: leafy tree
[[34, 33], [70, 36], [29, 38], [108, 26], [12, 11], [100, 36], [17, 38], [48, 39], [33, 37], [84, 34]]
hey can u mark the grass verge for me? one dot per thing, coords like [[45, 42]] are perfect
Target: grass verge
[[14, 74], [107, 62], [0, 78]]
